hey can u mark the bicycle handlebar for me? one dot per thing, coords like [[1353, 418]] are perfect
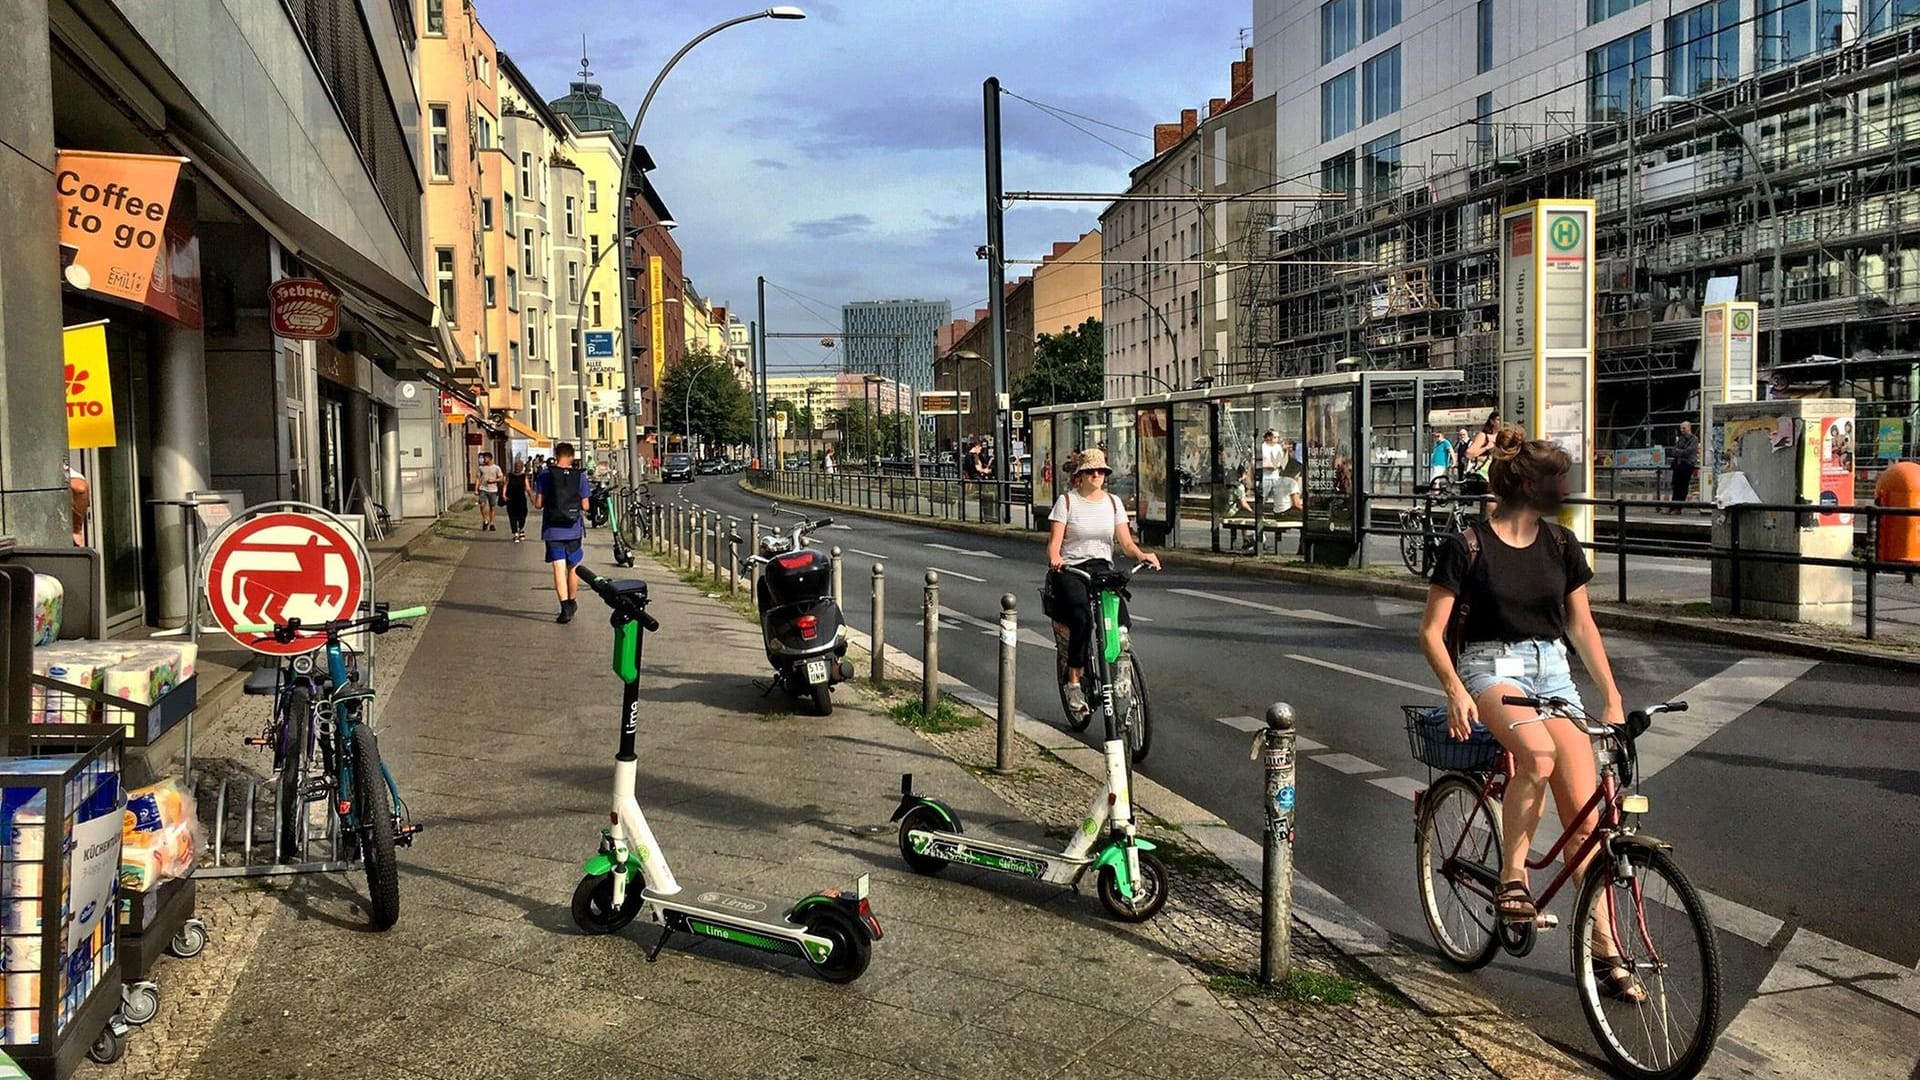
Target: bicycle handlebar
[[380, 622], [1088, 578], [1638, 721]]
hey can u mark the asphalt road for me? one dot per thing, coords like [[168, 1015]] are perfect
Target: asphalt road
[[1791, 791]]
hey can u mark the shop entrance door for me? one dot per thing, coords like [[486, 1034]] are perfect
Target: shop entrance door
[[113, 472], [333, 453]]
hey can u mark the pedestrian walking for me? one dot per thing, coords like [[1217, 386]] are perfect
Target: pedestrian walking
[[1440, 461], [970, 465], [518, 494], [1461, 441], [1686, 459], [561, 495], [829, 460], [486, 487], [1480, 457], [1272, 456]]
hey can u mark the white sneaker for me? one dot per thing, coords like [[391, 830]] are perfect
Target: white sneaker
[[1077, 700]]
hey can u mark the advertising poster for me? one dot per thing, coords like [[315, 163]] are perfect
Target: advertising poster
[[1836, 468], [1151, 426], [89, 389], [112, 210], [1892, 434], [1329, 501], [1043, 463]]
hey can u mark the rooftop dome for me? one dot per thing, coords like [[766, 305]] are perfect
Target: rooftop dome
[[591, 112]]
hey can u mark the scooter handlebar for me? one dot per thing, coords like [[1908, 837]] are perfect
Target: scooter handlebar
[[603, 587]]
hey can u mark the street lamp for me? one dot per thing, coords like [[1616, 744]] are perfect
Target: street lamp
[[1173, 343], [686, 404], [626, 203], [956, 356], [1773, 211], [586, 287], [873, 433]]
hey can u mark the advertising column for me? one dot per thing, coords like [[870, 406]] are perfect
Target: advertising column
[[1546, 335]]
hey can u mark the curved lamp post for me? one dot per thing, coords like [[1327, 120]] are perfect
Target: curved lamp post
[[626, 203], [686, 403], [1773, 211], [956, 356], [586, 287], [1173, 343]]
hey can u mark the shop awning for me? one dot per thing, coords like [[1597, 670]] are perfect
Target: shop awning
[[523, 429]]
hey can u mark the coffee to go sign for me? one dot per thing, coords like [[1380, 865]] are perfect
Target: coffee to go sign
[[304, 308], [113, 211]]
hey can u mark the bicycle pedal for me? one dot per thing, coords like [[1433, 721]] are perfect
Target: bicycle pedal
[[1544, 921], [315, 790]]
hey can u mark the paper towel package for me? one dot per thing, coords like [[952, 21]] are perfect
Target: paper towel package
[[49, 603], [137, 671]]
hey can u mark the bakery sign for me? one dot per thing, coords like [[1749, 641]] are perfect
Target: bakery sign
[[304, 308]]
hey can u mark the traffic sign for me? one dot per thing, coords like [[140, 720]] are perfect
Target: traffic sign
[[281, 566]]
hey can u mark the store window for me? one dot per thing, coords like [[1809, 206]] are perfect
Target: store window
[[1617, 76], [1336, 106], [443, 281], [1381, 79], [442, 146], [1336, 29], [1703, 47]]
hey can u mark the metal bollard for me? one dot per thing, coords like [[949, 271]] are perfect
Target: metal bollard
[[1009, 644], [1274, 749], [930, 645], [753, 549], [834, 576], [733, 556], [879, 671], [713, 549]]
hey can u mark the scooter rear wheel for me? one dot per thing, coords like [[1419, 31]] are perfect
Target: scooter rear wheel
[[851, 949], [926, 820], [822, 699], [1149, 894], [593, 910]]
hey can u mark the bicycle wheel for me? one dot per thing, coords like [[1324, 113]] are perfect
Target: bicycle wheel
[[290, 763], [1660, 929], [374, 811], [1457, 848], [1139, 710], [1413, 543]]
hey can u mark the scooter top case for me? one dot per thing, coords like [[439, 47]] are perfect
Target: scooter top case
[[800, 575]]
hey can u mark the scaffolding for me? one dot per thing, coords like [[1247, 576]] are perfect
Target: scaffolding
[[1679, 202]]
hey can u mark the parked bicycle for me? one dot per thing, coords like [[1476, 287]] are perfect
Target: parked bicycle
[[1114, 666], [1654, 1003], [1425, 527], [325, 750], [639, 504]]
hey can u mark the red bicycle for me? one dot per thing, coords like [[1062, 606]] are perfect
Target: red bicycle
[[1644, 958]]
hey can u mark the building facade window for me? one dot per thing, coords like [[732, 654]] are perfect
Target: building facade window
[[597, 320], [1336, 29], [1884, 15], [1483, 37], [1599, 10], [1336, 174], [526, 173], [437, 18], [1378, 17], [492, 288], [1792, 29], [513, 290], [527, 254], [1483, 123], [442, 145], [482, 131], [570, 227], [443, 281], [486, 214], [493, 369], [594, 250], [1380, 164], [573, 282], [593, 196], [533, 338], [513, 362], [1703, 47], [1617, 76], [1336, 106], [1380, 77]]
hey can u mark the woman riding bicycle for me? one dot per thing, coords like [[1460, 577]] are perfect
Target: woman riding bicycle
[[1509, 592], [1088, 521]]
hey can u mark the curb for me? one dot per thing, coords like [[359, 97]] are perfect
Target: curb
[[1608, 616]]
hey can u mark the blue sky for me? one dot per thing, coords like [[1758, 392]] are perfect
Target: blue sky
[[840, 155]]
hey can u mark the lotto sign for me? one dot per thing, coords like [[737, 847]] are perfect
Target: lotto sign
[[281, 566], [89, 390]]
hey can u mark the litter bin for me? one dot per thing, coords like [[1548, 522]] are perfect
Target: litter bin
[[1899, 486]]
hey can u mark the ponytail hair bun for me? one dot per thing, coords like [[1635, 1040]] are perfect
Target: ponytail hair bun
[[1509, 444], [1525, 470]]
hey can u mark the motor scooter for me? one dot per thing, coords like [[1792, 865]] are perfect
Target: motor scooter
[[801, 625]]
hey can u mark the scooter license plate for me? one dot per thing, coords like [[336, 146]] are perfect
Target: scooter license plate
[[816, 672]]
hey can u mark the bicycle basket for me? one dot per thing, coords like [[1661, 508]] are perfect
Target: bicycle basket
[[1427, 733]]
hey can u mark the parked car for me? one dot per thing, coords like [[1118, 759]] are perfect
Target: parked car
[[676, 468], [711, 467]]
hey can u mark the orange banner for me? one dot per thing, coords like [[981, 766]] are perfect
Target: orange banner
[[113, 212]]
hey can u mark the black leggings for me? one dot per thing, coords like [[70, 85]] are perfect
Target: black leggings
[[516, 515], [1071, 607]]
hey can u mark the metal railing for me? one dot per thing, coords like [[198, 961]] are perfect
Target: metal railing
[[1003, 502]]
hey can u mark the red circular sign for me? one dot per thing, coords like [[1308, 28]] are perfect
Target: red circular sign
[[283, 566]]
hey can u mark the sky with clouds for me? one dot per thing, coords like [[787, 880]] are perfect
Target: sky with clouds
[[840, 155]]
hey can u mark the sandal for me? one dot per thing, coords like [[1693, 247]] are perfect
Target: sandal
[[1615, 978], [1514, 904]]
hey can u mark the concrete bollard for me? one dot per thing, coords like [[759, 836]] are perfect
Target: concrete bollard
[[1009, 646], [930, 646], [834, 577], [1274, 749], [879, 671]]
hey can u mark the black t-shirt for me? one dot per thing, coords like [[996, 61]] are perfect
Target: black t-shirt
[[1514, 594]]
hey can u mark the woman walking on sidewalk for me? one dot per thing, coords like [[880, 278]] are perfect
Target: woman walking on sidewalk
[[1508, 593], [517, 495]]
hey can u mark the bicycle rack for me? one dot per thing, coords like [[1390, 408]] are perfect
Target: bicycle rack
[[241, 796]]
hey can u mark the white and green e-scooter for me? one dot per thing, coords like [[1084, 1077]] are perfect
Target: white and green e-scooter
[[833, 931], [1132, 883]]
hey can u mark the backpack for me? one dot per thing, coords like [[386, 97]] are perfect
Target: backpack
[[562, 508], [1456, 632]]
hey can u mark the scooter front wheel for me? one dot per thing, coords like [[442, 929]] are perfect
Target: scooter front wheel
[[1149, 893], [593, 908], [851, 949]]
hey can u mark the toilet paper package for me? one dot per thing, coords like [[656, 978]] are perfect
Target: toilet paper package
[[49, 603]]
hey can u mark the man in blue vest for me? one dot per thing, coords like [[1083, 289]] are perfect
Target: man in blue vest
[[561, 496]]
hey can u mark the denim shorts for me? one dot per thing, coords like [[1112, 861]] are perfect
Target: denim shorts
[[1544, 670]]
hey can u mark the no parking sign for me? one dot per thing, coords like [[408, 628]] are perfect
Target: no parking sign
[[281, 566]]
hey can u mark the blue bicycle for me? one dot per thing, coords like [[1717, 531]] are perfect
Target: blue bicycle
[[324, 748]]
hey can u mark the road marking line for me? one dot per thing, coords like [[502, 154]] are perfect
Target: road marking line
[[1304, 745], [1712, 704], [987, 626], [1405, 787], [1824, 1008], [969, 552], [1305, 614], [1388, 679], [958, 574], [1138, 618], [1346, 763], [868, 554], [1247, 724], [842, 528]]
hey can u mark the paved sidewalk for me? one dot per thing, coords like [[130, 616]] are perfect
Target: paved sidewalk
[[500, 732]]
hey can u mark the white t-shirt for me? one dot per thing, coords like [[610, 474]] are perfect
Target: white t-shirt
[[490, 477], [1272, 455], [1091, 524]]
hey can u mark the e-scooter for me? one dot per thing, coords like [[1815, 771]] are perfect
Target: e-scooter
[[1132, 883], [833, 930], [622, 554]]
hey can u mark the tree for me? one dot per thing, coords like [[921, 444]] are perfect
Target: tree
[[1067, 367], [701, 387]]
